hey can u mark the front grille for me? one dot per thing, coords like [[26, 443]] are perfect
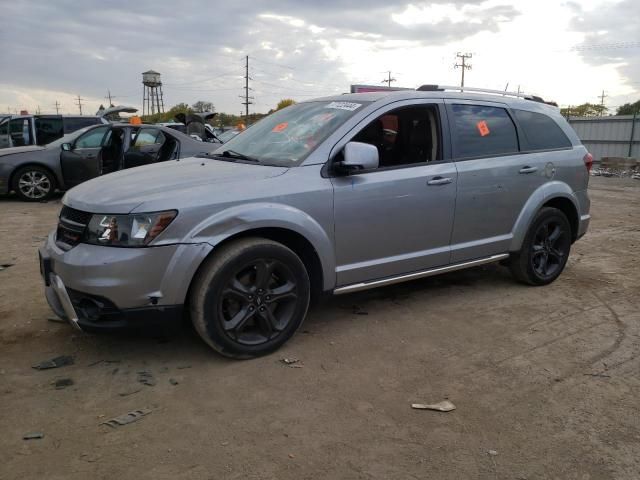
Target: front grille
[[71, 226], [74, 215]]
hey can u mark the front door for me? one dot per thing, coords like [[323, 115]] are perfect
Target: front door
[[83, 161], [494, 179], [398, 218]]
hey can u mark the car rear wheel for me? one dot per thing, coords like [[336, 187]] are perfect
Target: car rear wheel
[[34, 184], [249, 298], [545, 249]]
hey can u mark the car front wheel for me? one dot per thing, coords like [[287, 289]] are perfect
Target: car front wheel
[[545, 249], [250, 297], [34, 184]]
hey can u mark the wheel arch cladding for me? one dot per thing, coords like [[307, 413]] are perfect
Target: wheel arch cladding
[[557, 195], [288, 225], [293, 240]]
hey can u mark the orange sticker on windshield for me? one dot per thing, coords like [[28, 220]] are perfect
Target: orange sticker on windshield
[[483, 128], [280, 127]]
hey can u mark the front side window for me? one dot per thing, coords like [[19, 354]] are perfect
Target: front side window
[[288, 136], [92, 139], [20, 132], [540, 132], [480, 131], [404, 136]]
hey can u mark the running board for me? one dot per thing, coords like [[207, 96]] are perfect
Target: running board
[[356, 287]]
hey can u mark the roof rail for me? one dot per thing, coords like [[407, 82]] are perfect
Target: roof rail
[[504, 93]]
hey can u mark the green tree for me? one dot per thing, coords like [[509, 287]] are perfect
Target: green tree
[[629, 108], [584, 110], [285, 102]]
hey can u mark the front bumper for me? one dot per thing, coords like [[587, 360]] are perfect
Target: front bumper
[[107, 288]]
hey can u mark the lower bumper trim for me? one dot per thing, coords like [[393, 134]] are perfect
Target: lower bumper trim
[[65, 301]]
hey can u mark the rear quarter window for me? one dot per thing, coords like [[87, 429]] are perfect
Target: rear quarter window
[[482, 131], [540, 132]]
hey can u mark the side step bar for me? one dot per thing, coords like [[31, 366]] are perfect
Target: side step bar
[[356, 287]]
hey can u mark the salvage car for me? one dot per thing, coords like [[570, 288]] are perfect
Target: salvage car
[[24, 130], [35, 172], [334, 195]]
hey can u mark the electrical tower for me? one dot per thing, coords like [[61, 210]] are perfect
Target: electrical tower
[[388, 80], [152, 101], [246, 96], [79, 103], [463, 65]]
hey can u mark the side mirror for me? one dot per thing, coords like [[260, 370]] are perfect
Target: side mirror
[[358, 156], [66, 147]]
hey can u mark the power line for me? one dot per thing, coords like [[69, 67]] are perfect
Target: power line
[[464, 66], [79, 103], [388, 80]]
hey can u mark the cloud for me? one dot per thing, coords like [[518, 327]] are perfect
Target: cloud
[[93, 46], [612, 36]]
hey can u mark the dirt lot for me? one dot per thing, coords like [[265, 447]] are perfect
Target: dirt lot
[[545, 378]]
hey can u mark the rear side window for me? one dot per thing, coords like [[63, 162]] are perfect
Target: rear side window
[[71, 124], [481, 131], [48, 129], [540, 132], [92, 139]]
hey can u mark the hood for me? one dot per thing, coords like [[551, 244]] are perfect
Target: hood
[[14, 150], [179, 182]]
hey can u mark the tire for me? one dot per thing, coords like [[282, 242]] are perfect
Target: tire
[[545, 249], [33, 183], [249, 298]]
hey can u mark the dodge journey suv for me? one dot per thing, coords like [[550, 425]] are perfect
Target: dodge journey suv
[[334, 195]]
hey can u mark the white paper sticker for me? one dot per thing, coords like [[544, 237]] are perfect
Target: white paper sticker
[[349, 106]]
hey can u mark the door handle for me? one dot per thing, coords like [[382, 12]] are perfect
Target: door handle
[[439, 181], [528, 169]]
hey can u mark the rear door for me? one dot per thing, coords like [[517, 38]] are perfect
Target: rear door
[[494, 179], [83, 161], [145, 148]]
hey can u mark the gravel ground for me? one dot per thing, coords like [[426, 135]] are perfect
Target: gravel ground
[[545, 380]]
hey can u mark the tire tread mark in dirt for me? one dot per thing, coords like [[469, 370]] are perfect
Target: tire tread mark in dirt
[[622, 332]]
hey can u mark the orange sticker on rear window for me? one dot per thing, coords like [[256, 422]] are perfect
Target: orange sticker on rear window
[[483, 128], [280, 127]]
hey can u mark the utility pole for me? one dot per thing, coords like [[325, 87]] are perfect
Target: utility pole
[[57, 107], [38, 110], [79, 103], [388, 80], [109, 97], [246, 96], [464, 65], [602, 97]]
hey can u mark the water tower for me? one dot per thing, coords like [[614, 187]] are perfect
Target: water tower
[[152, 93]]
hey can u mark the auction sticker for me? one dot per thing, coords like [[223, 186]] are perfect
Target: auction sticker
[[349, 106], [483, 128], [280, 127]]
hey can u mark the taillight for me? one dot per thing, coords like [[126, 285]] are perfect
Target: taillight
[[588, 161]]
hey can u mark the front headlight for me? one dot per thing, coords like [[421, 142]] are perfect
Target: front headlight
[[134, 230]]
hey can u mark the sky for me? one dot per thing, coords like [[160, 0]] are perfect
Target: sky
[[569, 52]]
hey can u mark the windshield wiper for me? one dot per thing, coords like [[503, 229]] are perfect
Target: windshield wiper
[[239, 156]]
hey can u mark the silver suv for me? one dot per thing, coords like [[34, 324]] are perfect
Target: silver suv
[[335, 195]]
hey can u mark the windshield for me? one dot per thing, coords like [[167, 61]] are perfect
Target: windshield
[[68, 138], [288, 136]]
